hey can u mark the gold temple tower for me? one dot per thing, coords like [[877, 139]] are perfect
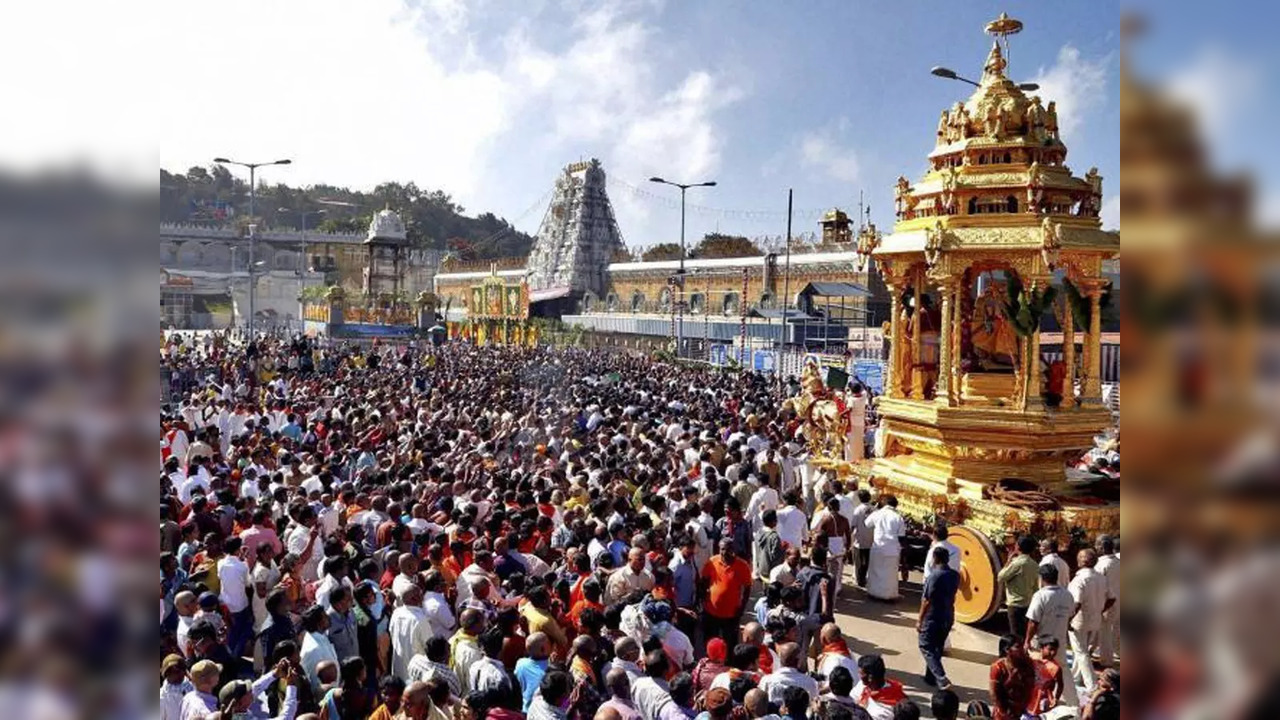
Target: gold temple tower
[[974, 429]]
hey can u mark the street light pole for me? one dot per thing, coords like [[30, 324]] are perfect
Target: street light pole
[[302, 261], [680, 303], [253, 227], [950, 74]]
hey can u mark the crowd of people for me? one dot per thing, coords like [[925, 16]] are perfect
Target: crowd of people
[[495, 533]]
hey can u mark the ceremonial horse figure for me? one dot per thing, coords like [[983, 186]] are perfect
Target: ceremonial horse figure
[[824, 414]]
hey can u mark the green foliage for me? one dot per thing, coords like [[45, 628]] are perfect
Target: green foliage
[[313, 293], [662, 251], [717, 245], [1077, 303], [216, 197], [1024, 309]]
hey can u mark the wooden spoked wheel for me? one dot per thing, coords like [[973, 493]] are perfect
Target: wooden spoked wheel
[[979, 594]]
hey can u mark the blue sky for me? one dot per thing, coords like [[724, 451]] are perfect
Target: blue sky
[[487, 100]]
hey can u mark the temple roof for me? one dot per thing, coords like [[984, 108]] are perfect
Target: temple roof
[[387, 226]]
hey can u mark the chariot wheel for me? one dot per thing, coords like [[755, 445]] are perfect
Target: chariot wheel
[[979, 594]]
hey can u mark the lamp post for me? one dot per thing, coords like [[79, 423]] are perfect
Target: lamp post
[[680, 273], [253, 228], [950, 74], [302, 263]]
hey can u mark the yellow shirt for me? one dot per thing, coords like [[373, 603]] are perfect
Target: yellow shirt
[[540, 621]]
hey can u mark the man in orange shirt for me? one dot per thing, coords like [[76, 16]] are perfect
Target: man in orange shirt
[[726, 584]]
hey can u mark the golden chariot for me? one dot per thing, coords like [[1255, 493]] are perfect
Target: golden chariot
[[975, 429]]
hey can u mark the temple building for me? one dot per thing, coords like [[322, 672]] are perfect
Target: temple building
[[835, 300], [385, 261]]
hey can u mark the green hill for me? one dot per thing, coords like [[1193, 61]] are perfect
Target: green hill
[[216, 197]]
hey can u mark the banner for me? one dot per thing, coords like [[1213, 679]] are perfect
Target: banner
[[869, 373]]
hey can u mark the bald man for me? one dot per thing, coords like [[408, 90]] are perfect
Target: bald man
[[756, 702], [626, 657], [619, 687], [465, 646], [835, 652], [789, 674], [629, 578], [415, 704], [530, 669]]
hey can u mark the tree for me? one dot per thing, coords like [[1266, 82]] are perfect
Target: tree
[[717, 245], [217, 197], [662, 251]]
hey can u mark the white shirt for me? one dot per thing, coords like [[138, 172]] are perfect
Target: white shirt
[[783, 573], [953, 556], [410, 630], [195, 705], [268, 575], [184, 629], [471, 574], [1064, 572], [776, 682], [316, 648], [827, 662], [195, 481], [326, 588], [793, 527], [439, 614], [233, 574], [650, 696], [678, 647], [1089, 588], [488, 674], [296, 542], [1051, 609], [171, 698], [1109, 567], [886, 526], [788, 472], [766, 498], [313, 484], [400, 585], [862, 534], [876, 710]]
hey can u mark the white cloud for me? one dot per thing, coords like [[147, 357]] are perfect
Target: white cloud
[[359, 93], [821, 150], [1221, 88], [1077, 84], [1110, 213]]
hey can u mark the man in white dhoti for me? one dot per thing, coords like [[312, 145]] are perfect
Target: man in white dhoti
[[853, 445], [886, 549]]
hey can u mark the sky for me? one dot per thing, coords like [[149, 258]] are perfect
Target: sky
[[488, 99]]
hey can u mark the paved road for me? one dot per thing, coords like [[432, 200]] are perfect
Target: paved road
[[890, 629]]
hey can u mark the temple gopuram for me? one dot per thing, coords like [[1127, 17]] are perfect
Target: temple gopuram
[[999, 241]]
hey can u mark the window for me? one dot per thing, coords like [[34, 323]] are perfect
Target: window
[[729, 306], [611, 302], [637, 302], [1011, 204], [697, 303]]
